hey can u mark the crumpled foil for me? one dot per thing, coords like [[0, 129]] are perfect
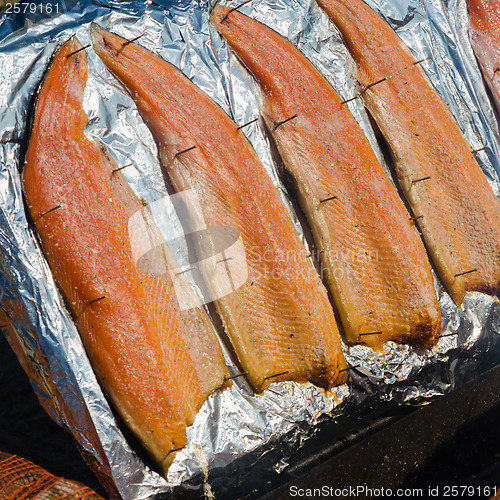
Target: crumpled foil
[[261, 430]]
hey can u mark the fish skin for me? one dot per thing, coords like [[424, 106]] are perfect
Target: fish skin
[[280, 321], [461, 215], [385, 282], [484, 31], [142, 349]]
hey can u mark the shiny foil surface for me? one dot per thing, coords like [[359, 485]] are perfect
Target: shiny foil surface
[[234, 425]]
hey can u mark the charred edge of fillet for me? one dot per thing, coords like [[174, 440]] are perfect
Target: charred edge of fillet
[[325, 381], [81, 49], [493, 290], [423, 337]]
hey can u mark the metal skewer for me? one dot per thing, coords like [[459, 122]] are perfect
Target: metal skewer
[[177, 449], [474, 151], [417, 217], [48, 211], [328, 199], [235, 8], [466, 272], [128, 42], [277, 375], [314, 253], [79, 50], [224, 260], [350, 367], [375, 83], [184, 151], [235, 376], [185, 271], [247, 123], [421, 179], [121, 168], [96, 300], [447, 335], [421, 60], [364, 90], [284, 121], [349, 100]]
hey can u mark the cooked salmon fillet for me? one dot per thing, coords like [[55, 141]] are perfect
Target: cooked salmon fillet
[[374, 261], [279, 321], [484, 31], [156, 364], [458, 213]]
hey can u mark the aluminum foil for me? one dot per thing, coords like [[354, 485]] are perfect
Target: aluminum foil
[[234, 426]]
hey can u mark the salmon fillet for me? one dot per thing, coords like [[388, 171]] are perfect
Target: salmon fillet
[[484, 31], [279, 321], [458, 213], [374, 262], [156, 364]]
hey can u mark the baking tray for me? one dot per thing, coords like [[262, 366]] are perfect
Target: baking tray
[[380, 448], [388, 457]]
